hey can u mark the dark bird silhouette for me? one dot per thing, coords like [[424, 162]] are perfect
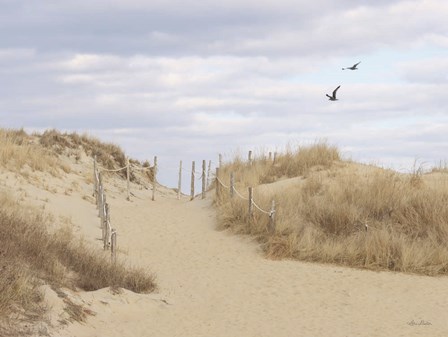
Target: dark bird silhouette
[[333, 97], [353, 67]]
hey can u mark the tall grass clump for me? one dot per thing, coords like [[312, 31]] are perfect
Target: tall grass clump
[[108, 155], [30, 255], [345, 213], [18, 150]]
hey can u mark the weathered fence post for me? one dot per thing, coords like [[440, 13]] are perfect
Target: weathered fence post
[[113, 246], [106, 223], [103, 211], [251, 204], [100, 193], [95, 182], [179, 183], [128, 174], [192, 181], [154, 181], [220, 160], [270, 156], [203, 178], [208, 172], [275, 157], [272, 218], [217, 183], [249, 157], [232, 184]]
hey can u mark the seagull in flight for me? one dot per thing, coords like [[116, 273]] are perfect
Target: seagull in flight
[[333, 97], [353, 67]]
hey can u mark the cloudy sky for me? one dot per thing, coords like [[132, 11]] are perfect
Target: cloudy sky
[[186, 80]]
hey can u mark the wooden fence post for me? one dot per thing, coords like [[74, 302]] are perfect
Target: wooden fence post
[[95, 182], [100, 193], [208, 172], [128, 179], [250, 157], [272, 218], [251, 205], [154, 179], [275, 157], [220, 160], [204, 166], [179, 183], [270, 156], [106, 222], [113, 246], [192, 181], [217, 183], [232, 184]]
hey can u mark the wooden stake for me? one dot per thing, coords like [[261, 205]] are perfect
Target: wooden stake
[[251, 205], [95, 182], [250, 157], [208, 173], [220, 160], [272, 218], [113, 246], [100, 193], [192, 181], [179, 183], [217, 183]]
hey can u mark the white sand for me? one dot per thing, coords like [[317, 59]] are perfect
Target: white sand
[[212, 283]]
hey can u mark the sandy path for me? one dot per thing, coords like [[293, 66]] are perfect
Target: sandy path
[[213, 283]]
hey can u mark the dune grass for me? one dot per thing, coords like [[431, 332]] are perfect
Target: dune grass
[[322, 214], [30, 256], [17, 150]]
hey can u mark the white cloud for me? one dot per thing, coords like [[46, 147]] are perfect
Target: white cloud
[[188, 79]]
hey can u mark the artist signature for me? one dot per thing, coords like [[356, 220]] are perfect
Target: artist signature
[[422, 322]]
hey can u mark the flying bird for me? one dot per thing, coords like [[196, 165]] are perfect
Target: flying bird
[[353, 67], [333, 97]]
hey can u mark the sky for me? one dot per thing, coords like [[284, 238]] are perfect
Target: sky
[[186, 80]]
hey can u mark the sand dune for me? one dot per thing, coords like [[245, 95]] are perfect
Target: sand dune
[[213, 283]]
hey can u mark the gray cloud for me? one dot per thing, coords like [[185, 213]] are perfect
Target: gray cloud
[[185, 80]]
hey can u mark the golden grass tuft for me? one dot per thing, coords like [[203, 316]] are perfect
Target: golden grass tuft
[[18, 150], [323, 209]]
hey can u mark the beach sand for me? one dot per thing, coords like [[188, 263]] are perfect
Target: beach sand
[[214, 283]]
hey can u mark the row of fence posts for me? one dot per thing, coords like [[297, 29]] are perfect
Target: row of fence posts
[[109, 235], [204, 179], [251, 202]]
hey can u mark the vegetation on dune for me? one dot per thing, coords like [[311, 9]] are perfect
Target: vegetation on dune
[[30, 255], [322, 214]]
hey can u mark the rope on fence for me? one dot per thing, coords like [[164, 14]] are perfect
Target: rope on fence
[[239, 194], [219, 180], [260, 209], [107, 170]]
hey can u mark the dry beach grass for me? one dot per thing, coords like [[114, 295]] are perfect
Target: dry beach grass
[[324, 204], [57, 280], [32, 255]]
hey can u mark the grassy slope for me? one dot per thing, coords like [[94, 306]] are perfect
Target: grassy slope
[[322, 213], [30, 255]]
